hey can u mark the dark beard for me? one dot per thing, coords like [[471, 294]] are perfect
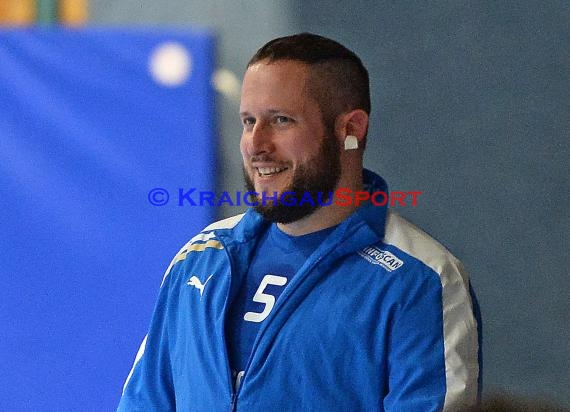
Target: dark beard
[[320, 174]]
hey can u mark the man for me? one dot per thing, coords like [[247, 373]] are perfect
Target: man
[[309, 305]]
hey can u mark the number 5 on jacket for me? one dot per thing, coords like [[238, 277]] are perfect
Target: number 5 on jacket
[[261, 297]]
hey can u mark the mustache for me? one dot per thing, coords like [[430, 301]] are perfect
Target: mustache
[[261, 158], [264, 158]]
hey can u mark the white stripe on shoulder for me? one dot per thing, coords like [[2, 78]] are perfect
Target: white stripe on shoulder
[[459, 324], [205, 235], [200, 237], [228, 223]]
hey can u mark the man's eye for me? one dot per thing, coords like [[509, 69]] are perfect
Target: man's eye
[[282, 119], [248, 121]]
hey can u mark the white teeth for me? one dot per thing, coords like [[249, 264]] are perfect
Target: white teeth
[[264, 171]]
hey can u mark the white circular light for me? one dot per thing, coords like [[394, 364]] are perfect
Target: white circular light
[[170, 64], [227, 83]]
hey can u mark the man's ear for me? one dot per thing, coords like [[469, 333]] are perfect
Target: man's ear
[[353, 123]]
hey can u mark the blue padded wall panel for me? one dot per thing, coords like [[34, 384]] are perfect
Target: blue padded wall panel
[[90, 121]]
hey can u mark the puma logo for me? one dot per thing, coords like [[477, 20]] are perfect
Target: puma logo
[[197, 283]]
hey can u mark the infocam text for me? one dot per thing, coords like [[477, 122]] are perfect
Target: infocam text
[[340, 197]]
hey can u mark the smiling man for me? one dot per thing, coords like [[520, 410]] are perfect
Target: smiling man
[[296, 117], [296, 305]]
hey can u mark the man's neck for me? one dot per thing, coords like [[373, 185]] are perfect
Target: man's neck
[[322, 218], [325, 216]]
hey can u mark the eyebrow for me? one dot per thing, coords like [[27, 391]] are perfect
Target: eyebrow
[[268, 111]]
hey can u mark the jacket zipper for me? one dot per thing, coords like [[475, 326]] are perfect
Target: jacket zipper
[[233, 403]]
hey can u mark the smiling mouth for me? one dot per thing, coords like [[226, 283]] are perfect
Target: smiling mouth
[[270, 171]]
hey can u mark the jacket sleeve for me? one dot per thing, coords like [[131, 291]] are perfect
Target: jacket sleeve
[[148, 386], [434, 346]]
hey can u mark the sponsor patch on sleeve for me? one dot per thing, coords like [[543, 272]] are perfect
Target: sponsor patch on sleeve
[[386, 259]]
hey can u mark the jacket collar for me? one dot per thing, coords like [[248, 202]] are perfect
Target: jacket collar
[[374, 216]]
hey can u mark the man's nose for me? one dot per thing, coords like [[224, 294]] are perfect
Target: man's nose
[[261, 139]]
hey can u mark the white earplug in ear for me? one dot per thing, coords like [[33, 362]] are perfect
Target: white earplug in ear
[[350, 143]]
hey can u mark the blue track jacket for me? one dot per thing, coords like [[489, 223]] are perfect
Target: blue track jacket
[[380, 317]]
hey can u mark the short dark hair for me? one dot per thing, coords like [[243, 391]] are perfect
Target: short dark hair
[[338, 79]]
